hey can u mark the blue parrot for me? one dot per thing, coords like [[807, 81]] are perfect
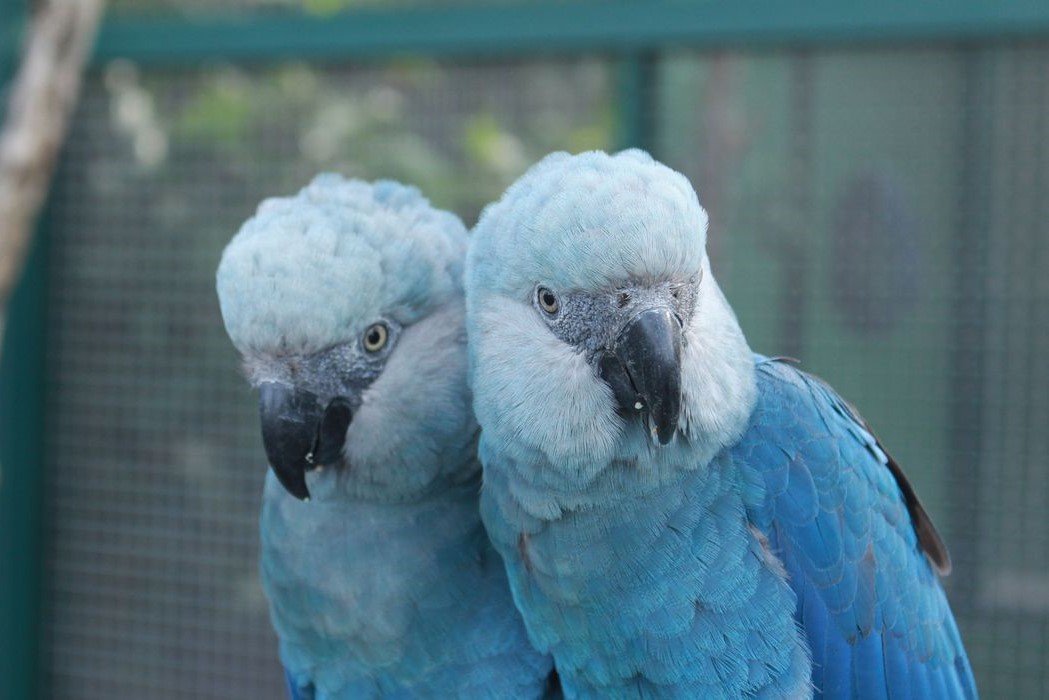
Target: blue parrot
[[680, 517], [346, 304]]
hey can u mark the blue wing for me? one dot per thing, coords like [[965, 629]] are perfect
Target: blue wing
[[857, 545]]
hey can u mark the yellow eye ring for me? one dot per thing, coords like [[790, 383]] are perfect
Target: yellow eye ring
[[375, 337], [547, 300]]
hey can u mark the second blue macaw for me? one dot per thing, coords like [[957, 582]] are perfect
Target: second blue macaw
[[680, 517], [346, 304]]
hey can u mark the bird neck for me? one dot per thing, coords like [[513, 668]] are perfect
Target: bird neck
[[347, 579], [369, 535], [671, 575]]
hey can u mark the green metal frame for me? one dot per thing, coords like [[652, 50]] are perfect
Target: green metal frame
[[21, 425], [632, 31], [970, 307], [636, 99], [568, 26]]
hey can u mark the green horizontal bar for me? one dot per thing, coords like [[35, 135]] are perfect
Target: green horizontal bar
[[567, 26]]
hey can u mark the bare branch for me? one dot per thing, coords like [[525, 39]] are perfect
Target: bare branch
[[43, 96]]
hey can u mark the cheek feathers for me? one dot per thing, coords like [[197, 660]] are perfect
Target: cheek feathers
[[718, 383], [416, 417], [532, 388]]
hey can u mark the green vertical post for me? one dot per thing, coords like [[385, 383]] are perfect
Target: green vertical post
[[636, 101], [21, 415], [970, 319]]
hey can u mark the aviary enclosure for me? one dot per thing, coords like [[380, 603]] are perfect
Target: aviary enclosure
[[876, 178]]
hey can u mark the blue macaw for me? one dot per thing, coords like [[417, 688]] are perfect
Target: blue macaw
[[680, 517], [346, 304]]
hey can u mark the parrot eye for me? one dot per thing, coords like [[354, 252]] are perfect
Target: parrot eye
[[547, 300], [375, 337]]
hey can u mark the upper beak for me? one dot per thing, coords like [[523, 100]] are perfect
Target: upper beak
[[648, 350], [299, 434]]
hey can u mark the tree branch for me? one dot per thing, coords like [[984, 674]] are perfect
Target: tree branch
[[43, 96]]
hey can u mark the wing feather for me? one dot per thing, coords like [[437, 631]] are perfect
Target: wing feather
[[859, 548]]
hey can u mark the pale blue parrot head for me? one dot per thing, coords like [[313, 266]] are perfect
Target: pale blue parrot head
[[346, 304], [594, 320]]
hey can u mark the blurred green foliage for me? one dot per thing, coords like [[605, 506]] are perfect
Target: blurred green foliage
[[372, 123]]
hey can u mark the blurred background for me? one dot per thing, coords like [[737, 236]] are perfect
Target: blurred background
[[877, 179]]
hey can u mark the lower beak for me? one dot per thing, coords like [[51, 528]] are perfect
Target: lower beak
[[298, 434], [648, 351]]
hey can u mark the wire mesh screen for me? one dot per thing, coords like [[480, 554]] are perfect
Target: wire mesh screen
[[154, 460], [881, 215], [1009, 525], [878, 214]]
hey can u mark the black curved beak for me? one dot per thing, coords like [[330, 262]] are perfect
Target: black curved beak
[[298, 434], [644, 370]]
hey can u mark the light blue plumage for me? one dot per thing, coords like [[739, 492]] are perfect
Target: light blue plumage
[[680, 517], [346, 304]]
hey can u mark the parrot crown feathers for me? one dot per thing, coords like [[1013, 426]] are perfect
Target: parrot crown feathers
[[314, 269]]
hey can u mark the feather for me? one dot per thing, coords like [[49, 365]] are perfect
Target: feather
[[890, 630]]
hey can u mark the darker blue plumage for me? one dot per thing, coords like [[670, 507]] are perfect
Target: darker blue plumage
[[297, 691], [875, 616]]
